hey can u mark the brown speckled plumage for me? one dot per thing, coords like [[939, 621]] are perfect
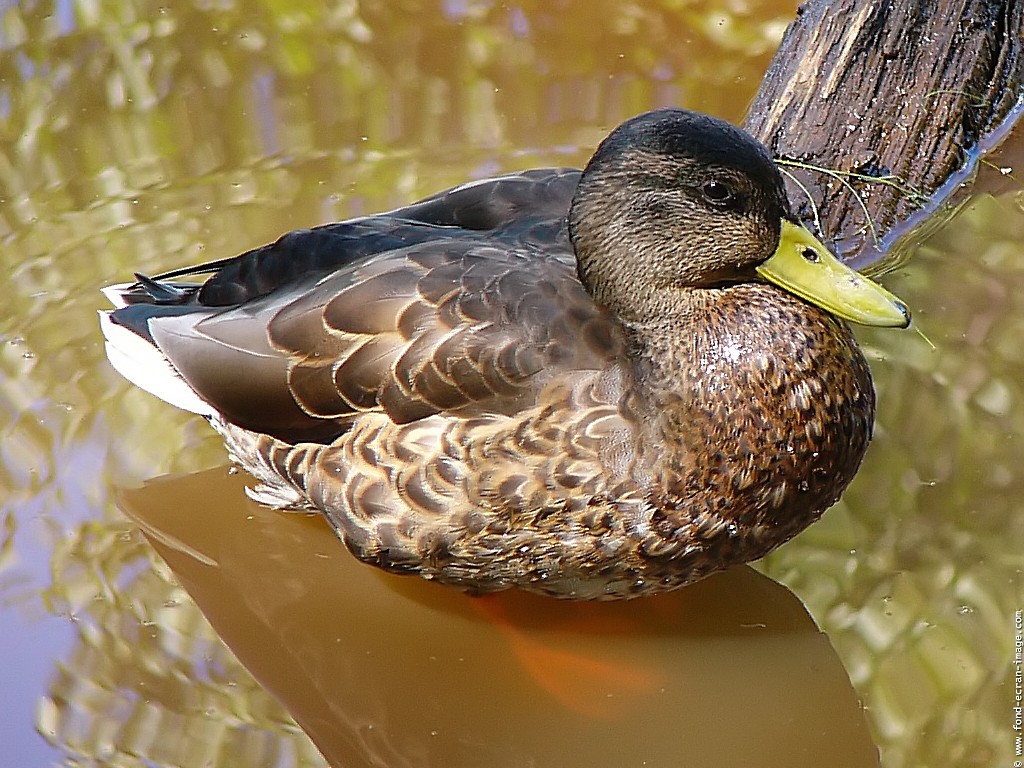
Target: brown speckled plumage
[[441, 384]]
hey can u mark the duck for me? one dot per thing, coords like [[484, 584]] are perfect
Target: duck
[[593, 385]]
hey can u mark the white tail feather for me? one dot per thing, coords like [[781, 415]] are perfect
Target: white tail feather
[[115, 294], [145, 366]]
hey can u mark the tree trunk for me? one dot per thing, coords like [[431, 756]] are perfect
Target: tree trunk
[[911, 93]]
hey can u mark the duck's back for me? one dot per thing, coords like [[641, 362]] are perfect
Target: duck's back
[[526, 209], [457, 304]]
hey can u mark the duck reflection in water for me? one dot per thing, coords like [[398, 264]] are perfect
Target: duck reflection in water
[[381, 670]]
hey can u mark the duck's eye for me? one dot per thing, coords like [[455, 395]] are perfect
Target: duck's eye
[[717, 193]]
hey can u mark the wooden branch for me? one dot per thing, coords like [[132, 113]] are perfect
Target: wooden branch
[[915, 91]]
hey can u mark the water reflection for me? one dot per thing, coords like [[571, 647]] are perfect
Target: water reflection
[[143, 665], [386, 670]]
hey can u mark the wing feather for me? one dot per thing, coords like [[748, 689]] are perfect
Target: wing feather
[[464, 303]]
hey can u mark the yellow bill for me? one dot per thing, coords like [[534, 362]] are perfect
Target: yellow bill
[[805, 267]]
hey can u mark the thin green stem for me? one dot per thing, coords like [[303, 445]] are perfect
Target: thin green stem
[[807, 194], [839, 176]]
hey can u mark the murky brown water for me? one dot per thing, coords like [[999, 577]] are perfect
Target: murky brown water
[[140, 137]]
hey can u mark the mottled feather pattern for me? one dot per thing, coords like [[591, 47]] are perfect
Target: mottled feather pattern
[[459, 493], [605, 463], [449, 327], [796, 393]]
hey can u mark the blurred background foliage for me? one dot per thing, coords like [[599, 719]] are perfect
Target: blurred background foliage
[[142, 136]]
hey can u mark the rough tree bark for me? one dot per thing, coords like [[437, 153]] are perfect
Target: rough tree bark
[[913, 90]]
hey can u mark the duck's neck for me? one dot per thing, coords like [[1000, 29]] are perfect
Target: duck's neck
[[766, 405]]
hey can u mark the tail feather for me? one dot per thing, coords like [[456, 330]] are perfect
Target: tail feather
[[144, 365]]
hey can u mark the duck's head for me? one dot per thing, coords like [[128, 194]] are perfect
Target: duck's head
[[675, 200]]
